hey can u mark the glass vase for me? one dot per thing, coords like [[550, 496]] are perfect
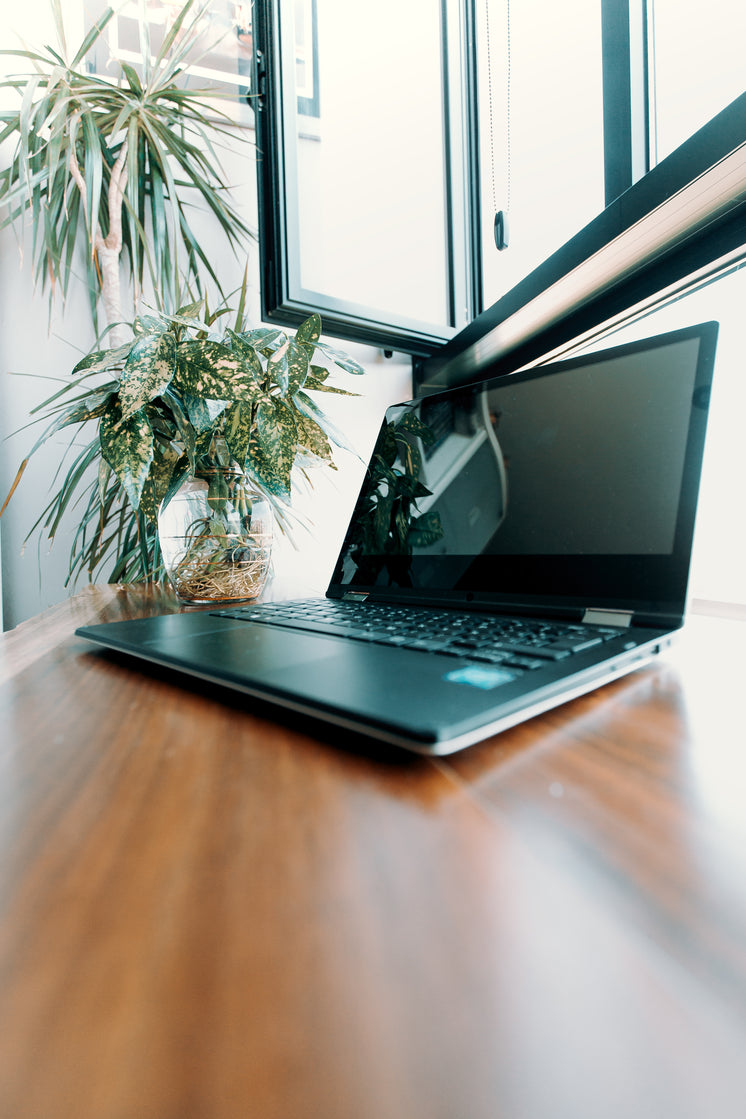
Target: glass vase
[[215, 536]]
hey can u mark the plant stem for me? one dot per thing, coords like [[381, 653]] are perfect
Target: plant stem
[[108, 249]]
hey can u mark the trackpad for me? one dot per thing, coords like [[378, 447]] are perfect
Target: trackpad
[[241, 653]]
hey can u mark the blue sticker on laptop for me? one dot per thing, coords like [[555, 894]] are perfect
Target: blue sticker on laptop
[[478, 676]]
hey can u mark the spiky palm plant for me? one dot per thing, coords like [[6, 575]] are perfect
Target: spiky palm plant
[[114, 164]]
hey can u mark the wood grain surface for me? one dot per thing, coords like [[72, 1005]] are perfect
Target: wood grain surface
[[211, 914]]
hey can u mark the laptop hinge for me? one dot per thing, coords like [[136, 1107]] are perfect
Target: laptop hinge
[[605, 617], [355, 596]]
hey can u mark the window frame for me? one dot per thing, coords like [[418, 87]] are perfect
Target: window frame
[[621, 264], [625, 69], [283, 299], [611, 270]]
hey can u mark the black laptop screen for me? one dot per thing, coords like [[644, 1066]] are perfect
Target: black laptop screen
[[571, 483]]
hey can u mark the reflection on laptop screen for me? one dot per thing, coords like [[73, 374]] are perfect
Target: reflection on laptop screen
[[578, 474]]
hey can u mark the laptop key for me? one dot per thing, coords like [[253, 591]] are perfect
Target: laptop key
[[576, 644], [528, 663], [544, 652]]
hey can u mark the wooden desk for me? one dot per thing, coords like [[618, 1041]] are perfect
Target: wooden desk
[[209, 915]]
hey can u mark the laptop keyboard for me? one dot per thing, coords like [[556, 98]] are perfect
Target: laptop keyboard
[[516, 643]]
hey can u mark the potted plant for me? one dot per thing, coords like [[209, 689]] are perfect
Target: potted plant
[[200, 417], [106, 169]]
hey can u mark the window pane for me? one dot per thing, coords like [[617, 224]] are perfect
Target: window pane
[[547, 150], [697, 64], [370, 168]]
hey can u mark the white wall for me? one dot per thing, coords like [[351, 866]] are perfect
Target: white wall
[[39, 348]]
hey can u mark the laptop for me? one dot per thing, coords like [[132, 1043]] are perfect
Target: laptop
[[515, 544]]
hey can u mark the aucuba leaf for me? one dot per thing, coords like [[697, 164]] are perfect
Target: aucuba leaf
[[147, 372], [207, 368], [310, 330], [127, 446]]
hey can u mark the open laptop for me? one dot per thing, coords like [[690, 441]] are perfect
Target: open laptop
[[516, 543]]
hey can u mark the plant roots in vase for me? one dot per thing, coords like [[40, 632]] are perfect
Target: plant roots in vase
[[216, 538]]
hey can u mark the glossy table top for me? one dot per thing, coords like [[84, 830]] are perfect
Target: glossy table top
[[208, 913]]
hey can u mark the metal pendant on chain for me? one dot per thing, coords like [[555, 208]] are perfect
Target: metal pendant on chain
[[500, 229]]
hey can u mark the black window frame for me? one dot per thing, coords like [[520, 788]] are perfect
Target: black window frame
[[283, 300], [614, 269], [519, 329]]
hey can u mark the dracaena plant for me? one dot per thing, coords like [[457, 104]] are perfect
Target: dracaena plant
[[186, 397], [109, 168]]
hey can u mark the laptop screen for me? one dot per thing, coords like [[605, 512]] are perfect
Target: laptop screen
[[573, 484]]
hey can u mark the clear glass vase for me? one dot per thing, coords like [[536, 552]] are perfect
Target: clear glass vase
[[215, 536]]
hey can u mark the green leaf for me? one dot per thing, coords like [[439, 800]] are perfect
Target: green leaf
[[127, 446], [237, 430], [298, 364], [187, 433], [425, 530], [241, 345], [386, 445], [306, 406], [310, 330], [149, 324], [312, 438], [411, 422], [132, 77], [147, 372], [266, 339], [411, 457], [91, 37], [273, 445], [401, 528], [93, 173], [190, 312], [344, 361], [89, 409], [104, 473], [101, 360], [264, 472], [316, 382], [206, 368], [278, 369], [204, 415], [317, 375], [181, 471], [277, 431], [158, 480], [382, 522]]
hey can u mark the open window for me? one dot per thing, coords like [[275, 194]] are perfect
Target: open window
[[369, 170], [368, 184], [673, 153]]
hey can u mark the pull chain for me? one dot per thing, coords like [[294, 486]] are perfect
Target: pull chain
[[501, 216]]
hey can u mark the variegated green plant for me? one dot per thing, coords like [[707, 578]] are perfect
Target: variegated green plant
[[177, 401]]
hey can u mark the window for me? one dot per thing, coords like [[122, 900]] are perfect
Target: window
[[362, 217], [541, 129], [696, 63], [367, 197], [674, 218], [223, 48], [670, 250]]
